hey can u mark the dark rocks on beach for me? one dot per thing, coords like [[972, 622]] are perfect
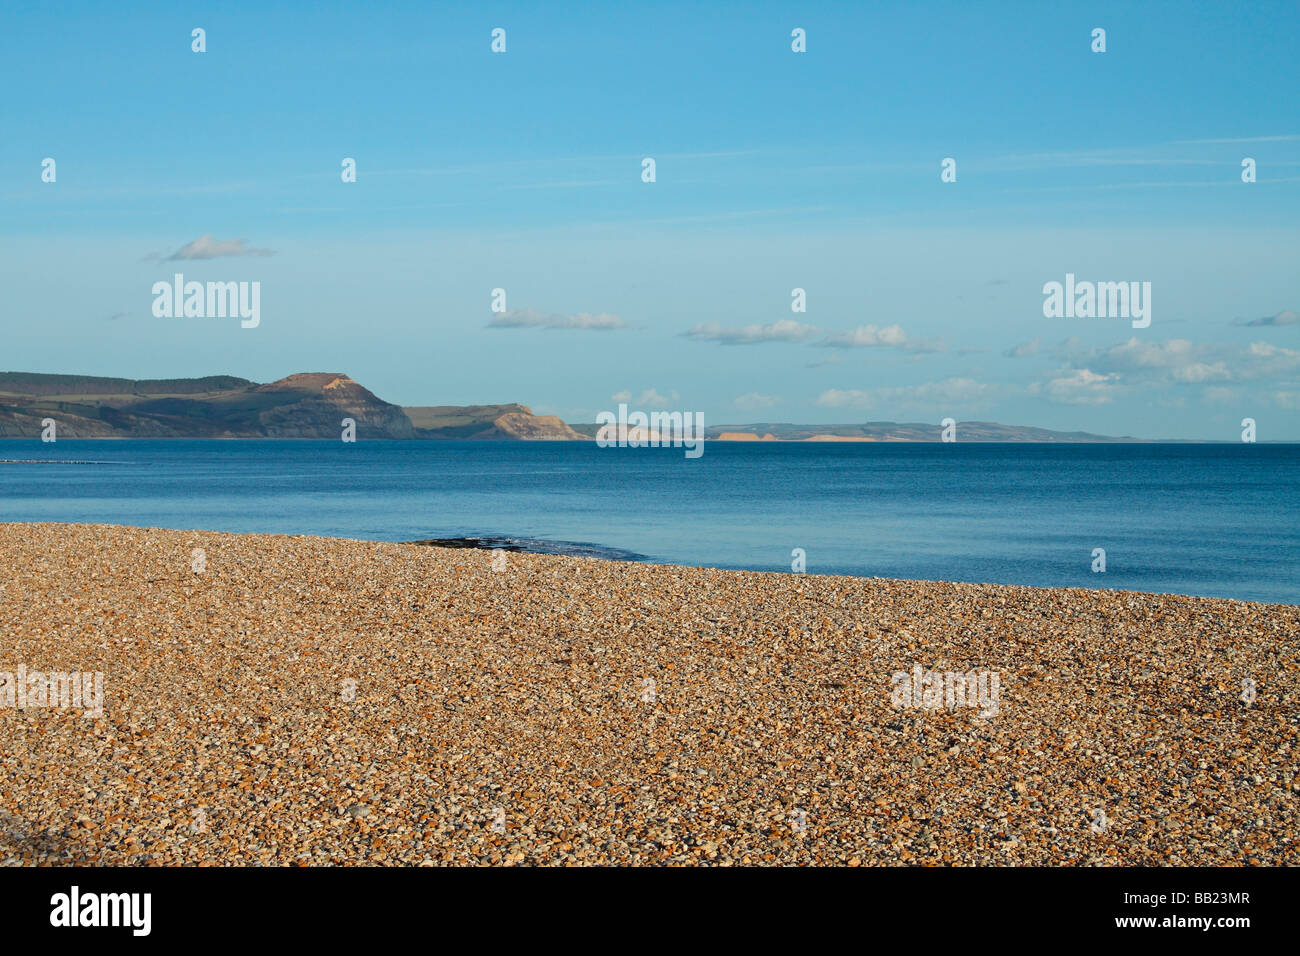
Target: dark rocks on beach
[[492, 544]]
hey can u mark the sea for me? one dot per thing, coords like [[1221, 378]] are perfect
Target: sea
[[1219, 520]]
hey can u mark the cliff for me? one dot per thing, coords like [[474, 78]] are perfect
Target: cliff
[[301, 406], [312, 405], [489, 423], [305, 405]]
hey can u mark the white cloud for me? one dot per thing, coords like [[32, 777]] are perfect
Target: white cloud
[[646, 398], [1181, 361], [208, 247], [869, 336], [753, 401], [1080, 387], [839, 398], [783, 330], [865, 336], [1270, 361], [788, 330], [964, 391], [1025, 350]]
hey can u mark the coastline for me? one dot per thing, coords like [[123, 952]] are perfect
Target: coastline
[[518, 696]]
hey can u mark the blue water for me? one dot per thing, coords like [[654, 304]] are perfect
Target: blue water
[[1219, 520]]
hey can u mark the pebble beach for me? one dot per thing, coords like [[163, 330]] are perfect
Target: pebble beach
[[281, 700]]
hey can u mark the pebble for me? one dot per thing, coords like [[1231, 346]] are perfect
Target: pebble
[[325, 702]]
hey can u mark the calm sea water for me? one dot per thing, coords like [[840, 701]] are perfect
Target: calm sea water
[[1220, 520]]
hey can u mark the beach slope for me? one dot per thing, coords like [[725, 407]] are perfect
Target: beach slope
[[298, 700]]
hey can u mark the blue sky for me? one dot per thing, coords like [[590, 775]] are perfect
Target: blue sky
[[775, 170]]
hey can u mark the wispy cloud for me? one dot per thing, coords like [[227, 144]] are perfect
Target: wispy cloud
[[567, 184], [783, 330], [753, 401], [1182, 362], [209, 247], [546, 162], [788, 330], [1285, 317], [1147, 154], [532, 319], [1025, 349], [728, 216], [865, 336], [953, 391], [1078, 387], [647, 398], [1182, 184], [1065, 160], [1287, 137], [868, 336]]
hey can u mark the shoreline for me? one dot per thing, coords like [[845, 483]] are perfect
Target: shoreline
[[513, 544], [577, 711], [491, 543], [591, 551]]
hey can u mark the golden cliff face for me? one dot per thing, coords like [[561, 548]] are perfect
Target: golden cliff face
[[511, 422], [529, 427]]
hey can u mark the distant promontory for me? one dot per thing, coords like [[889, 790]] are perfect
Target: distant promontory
[[307, 405], [314, 404]]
